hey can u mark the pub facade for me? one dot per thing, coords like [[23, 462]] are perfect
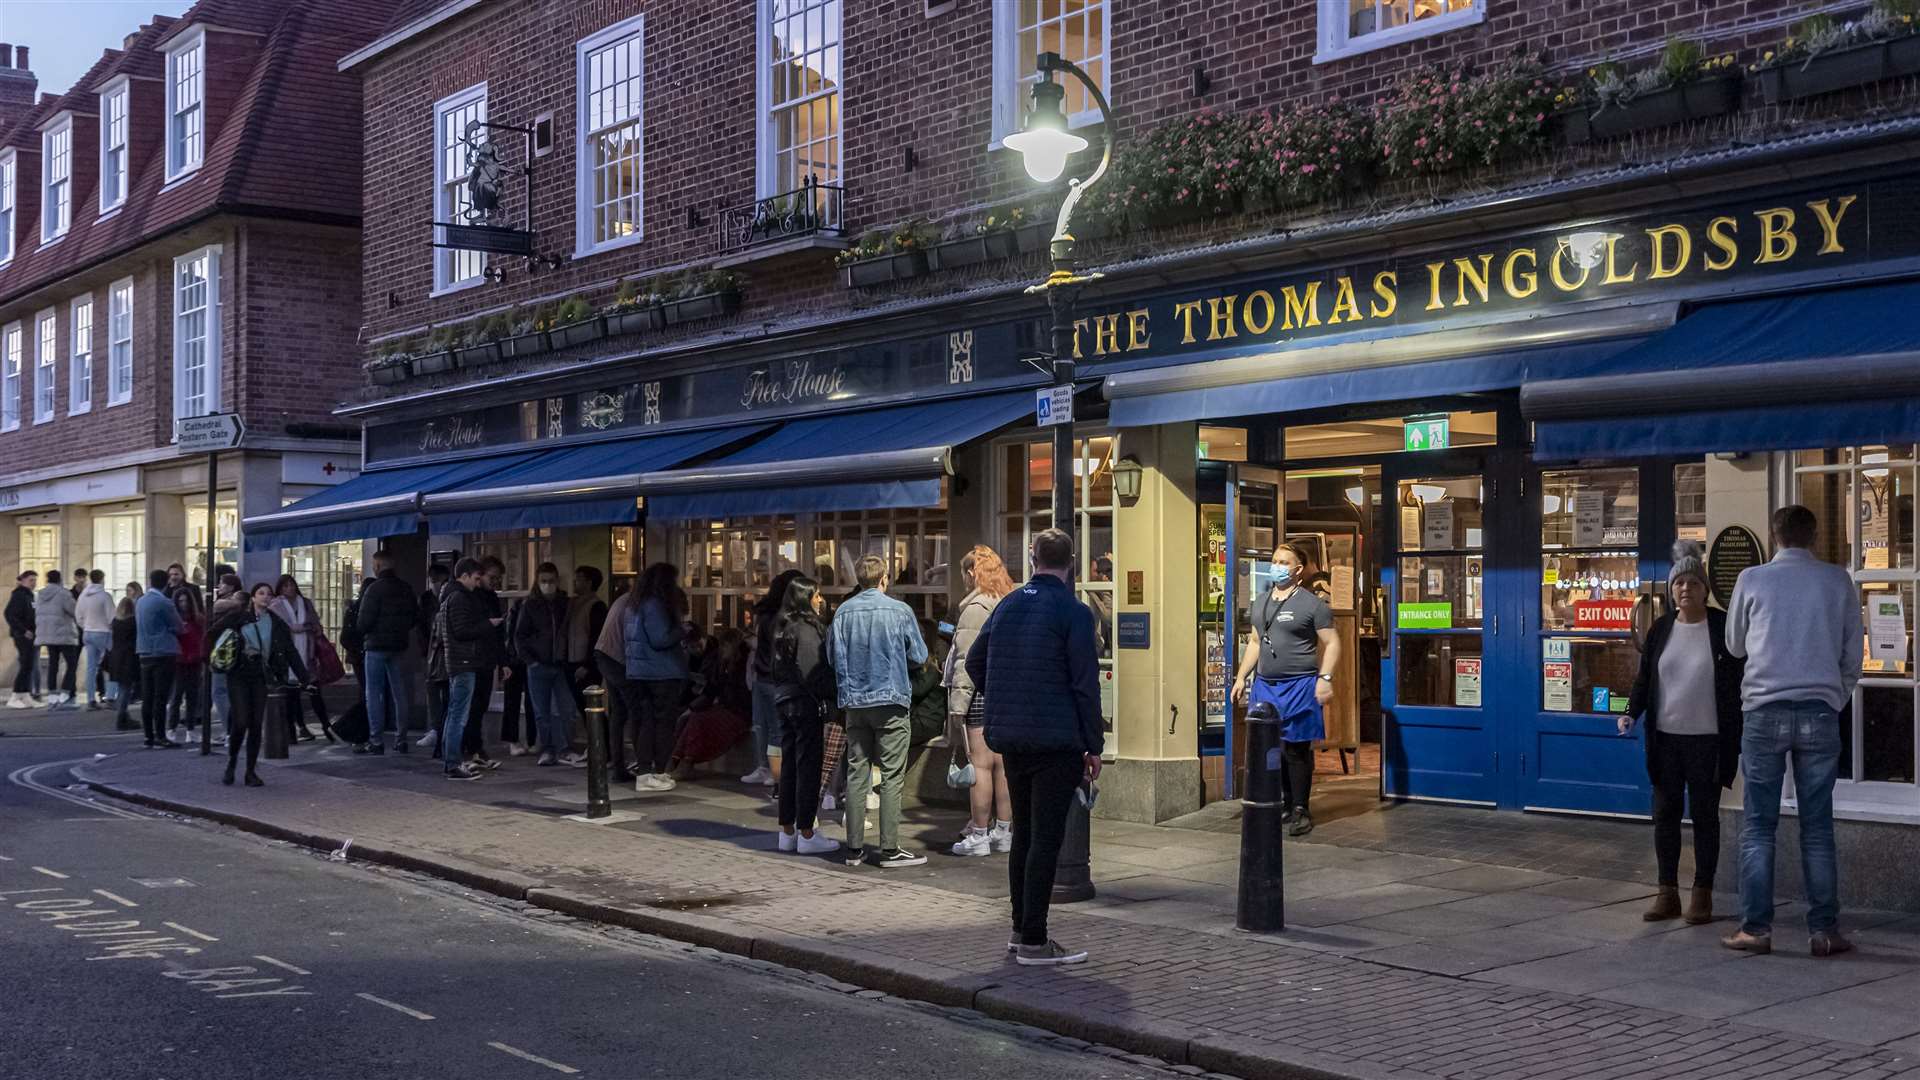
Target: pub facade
[[748, 315]]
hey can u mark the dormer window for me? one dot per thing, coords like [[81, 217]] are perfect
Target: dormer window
[[56, 179], [7, 160], [113, 144], [186, 104]]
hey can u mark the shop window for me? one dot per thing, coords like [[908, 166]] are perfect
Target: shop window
[[227, 540], [39, 549], [1863, 499], [1022, 30], [1440, 591], [1439, 669], [1690, 502], [521, 551], [1223, 443], [119, 549], [329, 577], [1589, 583], [1348, 27]]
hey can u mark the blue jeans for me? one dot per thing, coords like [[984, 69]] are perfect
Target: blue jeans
[[221, 707], [766, 721], [384, 685], [97, 642], [552, 697], [1810, 731], [459, 700]]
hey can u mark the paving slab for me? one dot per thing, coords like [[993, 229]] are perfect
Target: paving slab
[[1869, 1014]]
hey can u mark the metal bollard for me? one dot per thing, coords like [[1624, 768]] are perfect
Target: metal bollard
[[276, 731], [1262, 903], [599, 805]]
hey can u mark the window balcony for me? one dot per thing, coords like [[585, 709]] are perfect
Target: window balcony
[[779, 227]]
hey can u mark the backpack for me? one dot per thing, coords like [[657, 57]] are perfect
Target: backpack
[[227, 651]]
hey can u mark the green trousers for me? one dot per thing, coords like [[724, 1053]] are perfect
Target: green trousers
[[879, 734]]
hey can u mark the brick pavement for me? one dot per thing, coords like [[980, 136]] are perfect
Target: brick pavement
[[1482, 974]]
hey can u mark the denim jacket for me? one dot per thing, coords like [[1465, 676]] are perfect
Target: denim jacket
[[874, 639], [158, 622]]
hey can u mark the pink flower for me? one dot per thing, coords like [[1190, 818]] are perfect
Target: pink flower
[[1308, 168]]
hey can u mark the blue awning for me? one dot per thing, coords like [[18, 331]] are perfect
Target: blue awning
[[379, 502], [1816, 369], [869, 460], [595, 484]]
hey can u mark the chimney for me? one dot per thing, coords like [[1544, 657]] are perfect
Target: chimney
[[21, 52], [18, 87], [6, 55]]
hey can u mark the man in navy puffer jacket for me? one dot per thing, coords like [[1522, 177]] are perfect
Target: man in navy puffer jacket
[[1037, 665]]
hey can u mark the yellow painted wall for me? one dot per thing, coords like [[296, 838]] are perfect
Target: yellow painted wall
[[1157, 536]]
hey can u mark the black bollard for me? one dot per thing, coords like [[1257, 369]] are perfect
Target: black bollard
[[1262, 903], [276, 731], [1073, 874], [599, 805]]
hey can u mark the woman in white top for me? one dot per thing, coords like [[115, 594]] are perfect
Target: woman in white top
[[990, 825], [298, 613], [1688, 695]]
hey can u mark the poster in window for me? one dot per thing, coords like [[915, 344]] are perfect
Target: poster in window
[[1216, 676], [1589, 518], [1340, 584], [1557, 677], [1439, 527], [1466, 682], [1887, 629]]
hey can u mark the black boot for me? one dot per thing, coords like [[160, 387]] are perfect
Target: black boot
[[227, 777], [253, 779]]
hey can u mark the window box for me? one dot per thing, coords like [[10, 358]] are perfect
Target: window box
[[1037, 236], [1702, 99], [636, 321], [576, 334], [531, 343], [704, 306], [897, 266], [972, 250], [1840, 69], [390, 372], [467, 356]]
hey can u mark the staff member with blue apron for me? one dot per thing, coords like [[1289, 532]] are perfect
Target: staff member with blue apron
[[1288, 663]]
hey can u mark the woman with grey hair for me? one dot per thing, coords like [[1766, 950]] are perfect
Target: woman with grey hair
[[1688, 695]]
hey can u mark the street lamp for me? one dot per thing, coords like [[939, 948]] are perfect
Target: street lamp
[[1044, 147]]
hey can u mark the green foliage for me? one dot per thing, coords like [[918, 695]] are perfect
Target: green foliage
[[574, 309]]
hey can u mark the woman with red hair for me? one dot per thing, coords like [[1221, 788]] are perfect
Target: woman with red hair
[[990, 827]]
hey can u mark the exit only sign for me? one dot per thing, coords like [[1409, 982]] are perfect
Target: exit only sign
[[1427, 432]]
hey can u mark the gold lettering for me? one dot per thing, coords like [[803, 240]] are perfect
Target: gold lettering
[[1720, 234], [1562, 255], [1520, 285], [1664, 267], [1344, 302], [1383, 289], [1137, 336], [1468, 275], [1078, 325], [1106, 334], [1219, 314], [1614, 276], [1186, 310], [1830, 224], [1433, 286], [1264, 322], [1777, 242], [1303, 308]]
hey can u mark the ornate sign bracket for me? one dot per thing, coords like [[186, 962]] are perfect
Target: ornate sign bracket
[[486, 228]]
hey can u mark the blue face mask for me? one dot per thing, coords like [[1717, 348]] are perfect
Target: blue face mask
[[1282, 575]]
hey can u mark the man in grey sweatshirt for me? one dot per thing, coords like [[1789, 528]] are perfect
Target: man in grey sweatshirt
[[1797, 621]]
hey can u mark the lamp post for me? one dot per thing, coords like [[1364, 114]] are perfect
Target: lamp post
[[1044, 146]]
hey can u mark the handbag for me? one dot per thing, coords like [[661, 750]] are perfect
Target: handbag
[[226, 652], [961, 776], [326, 667]]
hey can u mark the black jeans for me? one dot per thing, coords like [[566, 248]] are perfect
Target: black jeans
[[55, 654], [654, 705], [246, 713], [613, 675], [802, 747], [23, 674], [156, 687], [436, 705], [473, 739], [1296, 774], [184, 703], [1042, 786], [1686, 774], [291, 703], [515, 699]]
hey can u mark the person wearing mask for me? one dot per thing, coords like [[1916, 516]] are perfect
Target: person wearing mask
[[20, 624], [609, 653], [487, 594], [184, 704], [1797, 622], [57, 631], [766, 721], [437, 577], [656, 635], [1037, 663], [540, 637], [466, 638], [1291, 653], [266, 657], [873, 643], [303, 620], [803, 687], [1688, 695], [20, 629], [94, 611], [387, 615], [990, 821], [586, 617], [157, 641], [123, 663]]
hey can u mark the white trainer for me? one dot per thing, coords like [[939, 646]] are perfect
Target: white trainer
[[788, 840], [974, 844], [817, 844], [760, 776], [1001, 836]]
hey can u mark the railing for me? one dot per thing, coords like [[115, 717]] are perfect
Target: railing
[[814, 208]]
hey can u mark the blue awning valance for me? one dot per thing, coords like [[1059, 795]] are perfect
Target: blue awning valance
[[383, 502]]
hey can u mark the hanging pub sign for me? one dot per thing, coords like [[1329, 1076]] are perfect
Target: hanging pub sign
[[486, 227]]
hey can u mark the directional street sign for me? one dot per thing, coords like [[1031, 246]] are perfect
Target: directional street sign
[[1053, 405], [208, 434]]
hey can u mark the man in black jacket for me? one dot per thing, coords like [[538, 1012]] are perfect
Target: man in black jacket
[[540, 641], [1036, 664], [469, 636], [388, 614], [437, 576], [20, 628]]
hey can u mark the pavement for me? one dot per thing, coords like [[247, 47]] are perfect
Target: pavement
[[141, 945], [1394, 964]]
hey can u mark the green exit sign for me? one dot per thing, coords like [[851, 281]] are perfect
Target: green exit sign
[[1427, 432]]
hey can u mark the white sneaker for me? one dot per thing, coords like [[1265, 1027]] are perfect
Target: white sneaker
[[19, 701], [788, 840], [817, 844], [514, 749], [429, 739], [178, 734], [1001, 837], [578, 761], [653, 782], [974, 843], [666, 781], [761, 775], [873, 800]]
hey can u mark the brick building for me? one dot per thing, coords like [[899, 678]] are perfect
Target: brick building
[[180, 238], [1484, 302]]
